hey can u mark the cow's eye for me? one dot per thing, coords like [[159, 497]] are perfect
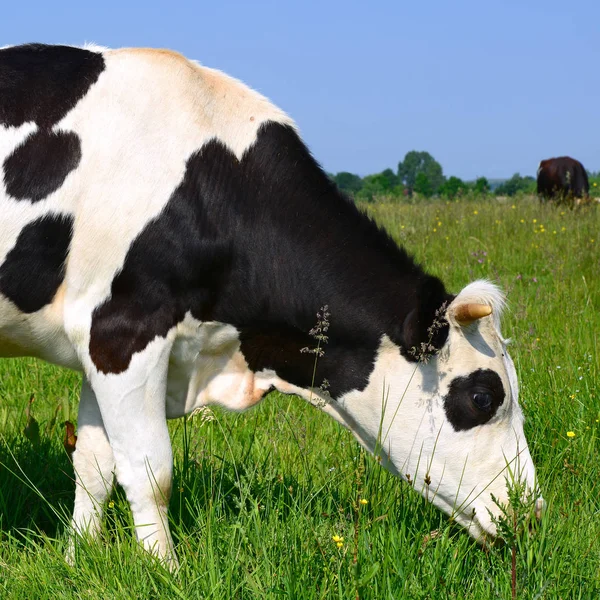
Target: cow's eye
[[483, 401]]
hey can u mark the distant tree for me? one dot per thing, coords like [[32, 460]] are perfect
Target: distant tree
[[420, 162], [391, 177], [423, 186], [516, 184], [482, 186], [348, 182], [435, 174], [380, 184], [374, 185], [453, 187]]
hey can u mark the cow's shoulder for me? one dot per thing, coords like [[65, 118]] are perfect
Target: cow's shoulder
[[212, 103]]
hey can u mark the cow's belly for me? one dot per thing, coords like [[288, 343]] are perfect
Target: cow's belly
[[207, 367], [40, 334]]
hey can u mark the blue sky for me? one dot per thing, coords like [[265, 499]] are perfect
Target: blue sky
[[488, 88]]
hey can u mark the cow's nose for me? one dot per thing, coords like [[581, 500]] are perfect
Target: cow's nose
[[540, 507]]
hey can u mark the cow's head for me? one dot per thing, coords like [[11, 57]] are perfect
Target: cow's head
[[450, 424]]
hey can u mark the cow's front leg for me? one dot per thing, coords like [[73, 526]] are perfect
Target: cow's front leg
[[132, 404], [94, 467]]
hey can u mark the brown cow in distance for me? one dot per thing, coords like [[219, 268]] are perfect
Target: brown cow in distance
[[563, 179]]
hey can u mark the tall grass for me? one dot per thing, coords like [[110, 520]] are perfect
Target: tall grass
[[258, 497]]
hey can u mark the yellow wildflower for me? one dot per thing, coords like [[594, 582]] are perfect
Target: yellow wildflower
[[513, 206], [338, 539], [364, 501], [475, 212], [340, 544], [570, 434], [535, 220], [111, 504]]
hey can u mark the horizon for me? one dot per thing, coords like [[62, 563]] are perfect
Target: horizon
[[486, 90]]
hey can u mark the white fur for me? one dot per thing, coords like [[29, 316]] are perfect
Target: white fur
[[94, 465]]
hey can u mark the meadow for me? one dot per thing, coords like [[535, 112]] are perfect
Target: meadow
[[265, 502]]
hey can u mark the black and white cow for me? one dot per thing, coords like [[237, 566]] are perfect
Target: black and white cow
[[165, 231]]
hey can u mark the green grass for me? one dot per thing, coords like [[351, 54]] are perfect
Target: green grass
[[258, 496]]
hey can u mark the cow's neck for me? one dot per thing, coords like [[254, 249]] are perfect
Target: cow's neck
[[296, 245]]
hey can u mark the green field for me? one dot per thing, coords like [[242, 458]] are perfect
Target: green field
[[258, 497]]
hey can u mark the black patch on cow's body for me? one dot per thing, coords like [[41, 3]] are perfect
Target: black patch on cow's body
[[40, 164], [35, 267], [464, 405], [563, 178], [262, 244], [43, 83]]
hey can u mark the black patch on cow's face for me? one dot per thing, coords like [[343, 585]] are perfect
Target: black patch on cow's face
[[40, 164], [42, 83], [35, 267], [473, 400], [262, 243]]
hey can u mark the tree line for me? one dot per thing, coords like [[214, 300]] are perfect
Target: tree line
[[419, 173]]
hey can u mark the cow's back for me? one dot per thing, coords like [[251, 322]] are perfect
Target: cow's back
[[94, 142]]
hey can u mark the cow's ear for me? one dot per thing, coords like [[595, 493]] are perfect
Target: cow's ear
[[425, 328], [411, 332]]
